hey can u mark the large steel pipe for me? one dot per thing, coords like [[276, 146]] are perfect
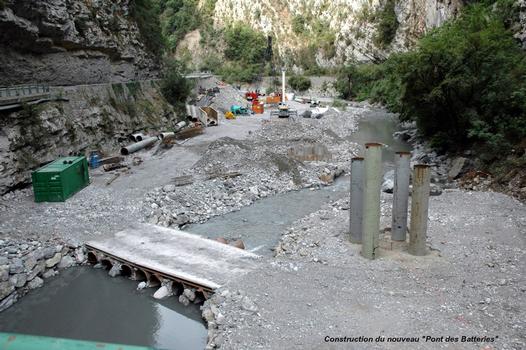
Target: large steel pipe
[[371, 199], [400, 196], [138, 146], [356, 201], [137, 137], [419, 210]]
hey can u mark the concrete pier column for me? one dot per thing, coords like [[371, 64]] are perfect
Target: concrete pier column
[[371, 199], [356, 201], [419, 209], [400, 196]]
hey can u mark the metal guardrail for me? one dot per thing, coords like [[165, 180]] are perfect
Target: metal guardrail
[[23, 90]]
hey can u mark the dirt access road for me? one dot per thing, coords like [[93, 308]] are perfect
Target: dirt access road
[[100, 209]]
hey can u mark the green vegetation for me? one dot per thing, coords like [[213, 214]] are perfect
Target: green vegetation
[[337, 103], [316, 36], [245, 50], [146, 14], [298, 24], [244, 44], [464, 85], [179, 17], [387, 24], [299, 82], [174, 86], [2, 4]]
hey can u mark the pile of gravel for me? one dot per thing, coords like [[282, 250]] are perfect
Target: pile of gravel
[[234, 173]]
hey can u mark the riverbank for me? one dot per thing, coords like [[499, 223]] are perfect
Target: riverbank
[[319, 287], [336, 291], [232, 166]]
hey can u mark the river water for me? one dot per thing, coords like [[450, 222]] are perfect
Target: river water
[[84, 303], [261, 224]]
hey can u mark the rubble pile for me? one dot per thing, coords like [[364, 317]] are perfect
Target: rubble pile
[[234, 173]]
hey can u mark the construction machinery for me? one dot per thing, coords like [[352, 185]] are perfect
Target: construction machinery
[[284, 111], [239, 110], [252, 95]]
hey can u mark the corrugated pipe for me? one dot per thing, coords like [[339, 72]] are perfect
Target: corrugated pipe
[[138, 146]]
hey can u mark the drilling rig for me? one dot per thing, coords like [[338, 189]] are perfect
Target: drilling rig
[[284, 111]]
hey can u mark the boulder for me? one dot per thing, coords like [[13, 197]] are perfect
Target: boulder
[[37, 282], [459, 166], [115, 270], [54, 260], [8, 301], [184, 300], [18, 280], [6, 288], [189, 293], [49, 273], [37, 270], [4, 273], [16, 266], [29, 262], [162, 292], [65, 262]]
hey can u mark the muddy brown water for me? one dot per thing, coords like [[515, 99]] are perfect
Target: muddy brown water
[[84, 303]]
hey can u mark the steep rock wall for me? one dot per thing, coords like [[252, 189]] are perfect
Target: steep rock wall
[[95, 117], [353, 23], [71, 42]]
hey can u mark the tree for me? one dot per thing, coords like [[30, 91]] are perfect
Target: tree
[[174, 86]]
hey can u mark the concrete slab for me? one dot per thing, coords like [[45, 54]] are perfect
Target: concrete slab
[[178, 254]]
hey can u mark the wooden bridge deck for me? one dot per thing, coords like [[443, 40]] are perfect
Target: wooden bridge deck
[[173, 254]]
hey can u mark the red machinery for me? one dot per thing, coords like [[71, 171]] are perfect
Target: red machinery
[[252, 95]]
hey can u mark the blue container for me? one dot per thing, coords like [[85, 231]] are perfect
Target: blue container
[[94, 160]]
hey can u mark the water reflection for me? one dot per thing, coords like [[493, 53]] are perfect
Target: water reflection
[[84, 303]]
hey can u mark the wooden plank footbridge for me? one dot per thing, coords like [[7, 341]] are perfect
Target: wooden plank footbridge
[[154, 253]]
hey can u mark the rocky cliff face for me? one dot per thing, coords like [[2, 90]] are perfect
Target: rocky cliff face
[[71, 42], [349, 27], [95, 117]]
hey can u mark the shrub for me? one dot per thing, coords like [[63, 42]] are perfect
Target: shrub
[[146, 14], [245, 49], [245, 44], [298, 24], [299, 82], [174, 86], [387, 24], [178, 18], [239, 72]]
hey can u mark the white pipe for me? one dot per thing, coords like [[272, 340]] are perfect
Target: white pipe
[[283, 85]]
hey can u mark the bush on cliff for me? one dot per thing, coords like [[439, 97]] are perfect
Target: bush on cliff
[[174, 86], [464, 84]]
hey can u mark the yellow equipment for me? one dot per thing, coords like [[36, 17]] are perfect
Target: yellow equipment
[[230, 115]]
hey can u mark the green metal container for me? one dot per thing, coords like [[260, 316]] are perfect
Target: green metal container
[[60, 179]]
